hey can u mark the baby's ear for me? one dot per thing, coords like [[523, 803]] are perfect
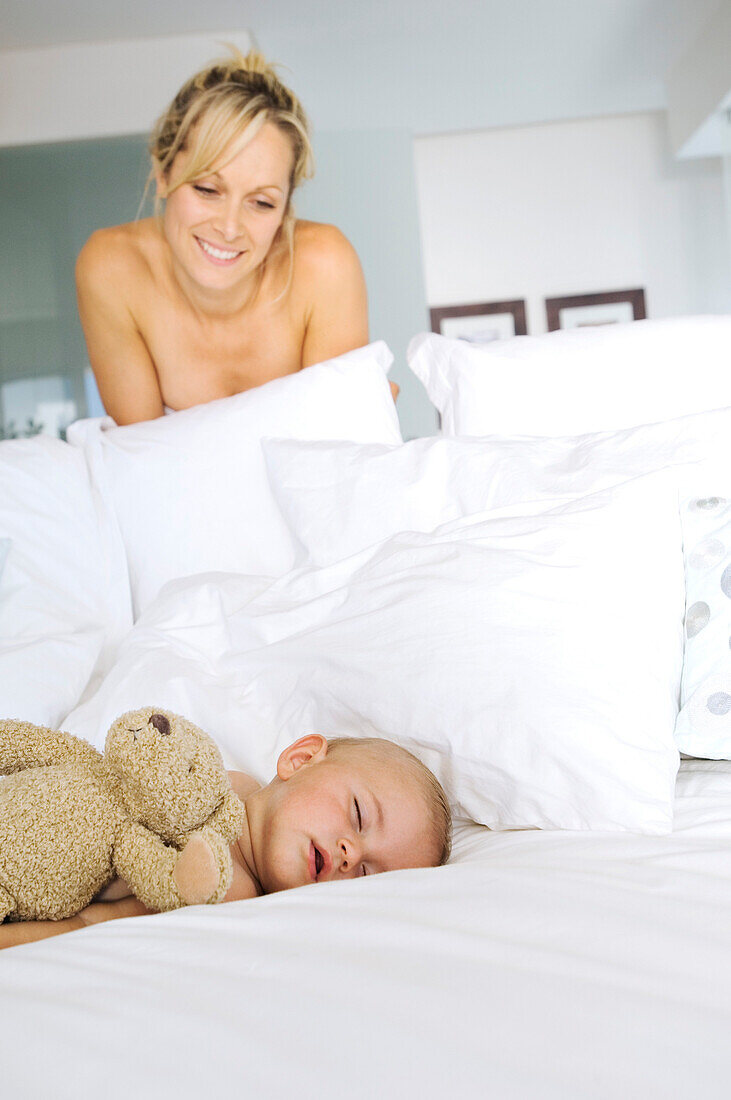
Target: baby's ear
[[229, 818], [306, 750]]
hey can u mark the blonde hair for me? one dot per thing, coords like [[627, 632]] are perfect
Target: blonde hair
[[383, 751], [219, 111]]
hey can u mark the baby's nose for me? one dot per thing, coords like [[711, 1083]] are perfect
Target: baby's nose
[[349, 856]]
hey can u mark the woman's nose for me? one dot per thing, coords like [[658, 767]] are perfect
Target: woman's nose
[[230, 222]]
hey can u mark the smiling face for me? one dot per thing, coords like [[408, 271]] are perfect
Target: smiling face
[[325, 819], [221, 226]]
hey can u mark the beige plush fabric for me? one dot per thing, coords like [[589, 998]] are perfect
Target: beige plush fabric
[[71, 819]]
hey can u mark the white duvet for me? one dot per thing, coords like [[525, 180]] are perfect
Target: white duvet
[[538, 964]]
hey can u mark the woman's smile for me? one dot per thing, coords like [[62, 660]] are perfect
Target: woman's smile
[[222, 257]]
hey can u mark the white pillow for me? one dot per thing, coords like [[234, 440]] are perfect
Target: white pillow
[[64, 599], [42, 677], [190, 492], [339, 498], [704, 724], [533, 662], [579, 380], [4, 547]]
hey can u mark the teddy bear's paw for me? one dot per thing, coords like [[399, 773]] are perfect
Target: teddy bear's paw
[[7, 904], [197, 873]]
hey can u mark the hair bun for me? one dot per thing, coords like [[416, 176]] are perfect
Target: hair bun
[[228, 94], [251, 71], [252, 62]]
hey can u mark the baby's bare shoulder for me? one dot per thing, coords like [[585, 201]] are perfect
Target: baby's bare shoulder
[[242, 784]]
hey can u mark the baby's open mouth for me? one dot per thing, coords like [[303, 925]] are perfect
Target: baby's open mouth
[[318, 861]]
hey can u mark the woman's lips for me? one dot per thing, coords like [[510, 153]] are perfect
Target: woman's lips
[[222, 257]]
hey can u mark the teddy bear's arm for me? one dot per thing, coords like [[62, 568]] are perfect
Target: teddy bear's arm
[[164, 878], [229, 819], [23, 745], [7, 904]]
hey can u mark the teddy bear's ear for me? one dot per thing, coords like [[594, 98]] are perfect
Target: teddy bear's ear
[[229, 818]]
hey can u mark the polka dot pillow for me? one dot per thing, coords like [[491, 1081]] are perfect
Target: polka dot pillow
[[704, 724]]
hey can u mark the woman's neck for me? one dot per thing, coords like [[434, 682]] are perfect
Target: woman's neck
[[212, 304]]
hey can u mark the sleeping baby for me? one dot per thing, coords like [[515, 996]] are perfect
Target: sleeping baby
[[335, 810]]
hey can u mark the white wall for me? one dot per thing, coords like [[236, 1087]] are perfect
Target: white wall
[[429, 66], [440, 66], [99, 89], [571, 208]]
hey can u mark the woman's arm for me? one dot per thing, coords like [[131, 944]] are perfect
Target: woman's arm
[[14, 934], [124, 371]]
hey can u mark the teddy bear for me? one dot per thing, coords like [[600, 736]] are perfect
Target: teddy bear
[[156, 809]]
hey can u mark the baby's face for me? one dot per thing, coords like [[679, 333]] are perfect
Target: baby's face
[[342, 817]]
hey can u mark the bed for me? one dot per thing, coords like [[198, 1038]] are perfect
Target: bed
[[536, 964], [543, 618]]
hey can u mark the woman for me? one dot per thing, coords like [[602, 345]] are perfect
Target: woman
[[225, 290]]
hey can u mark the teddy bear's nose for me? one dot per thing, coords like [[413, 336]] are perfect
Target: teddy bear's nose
[[161, 724]]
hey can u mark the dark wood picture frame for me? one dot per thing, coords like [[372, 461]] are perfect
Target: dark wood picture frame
[[515, 307], [635, 298]]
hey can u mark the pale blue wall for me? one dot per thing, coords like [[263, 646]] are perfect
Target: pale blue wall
[[52, 198], [365, 184]]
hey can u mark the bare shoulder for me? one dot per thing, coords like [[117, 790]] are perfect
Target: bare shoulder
[[243, 785], [324, 250], [116, 253], [329, 283]]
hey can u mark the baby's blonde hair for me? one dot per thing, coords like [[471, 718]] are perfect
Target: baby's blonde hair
[[385, 751], [219, 111]]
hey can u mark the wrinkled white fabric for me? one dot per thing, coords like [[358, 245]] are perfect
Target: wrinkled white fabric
[[532, 662], [540, 964], [704, 724], [189, 493], [64, 593], [341, 497]]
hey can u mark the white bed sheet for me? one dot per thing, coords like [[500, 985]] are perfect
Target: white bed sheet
[[538, 964]]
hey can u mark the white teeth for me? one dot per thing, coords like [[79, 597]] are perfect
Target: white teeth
[[217, 253]]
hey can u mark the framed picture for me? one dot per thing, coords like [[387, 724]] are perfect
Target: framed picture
[[481, 322], [613, 307]]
